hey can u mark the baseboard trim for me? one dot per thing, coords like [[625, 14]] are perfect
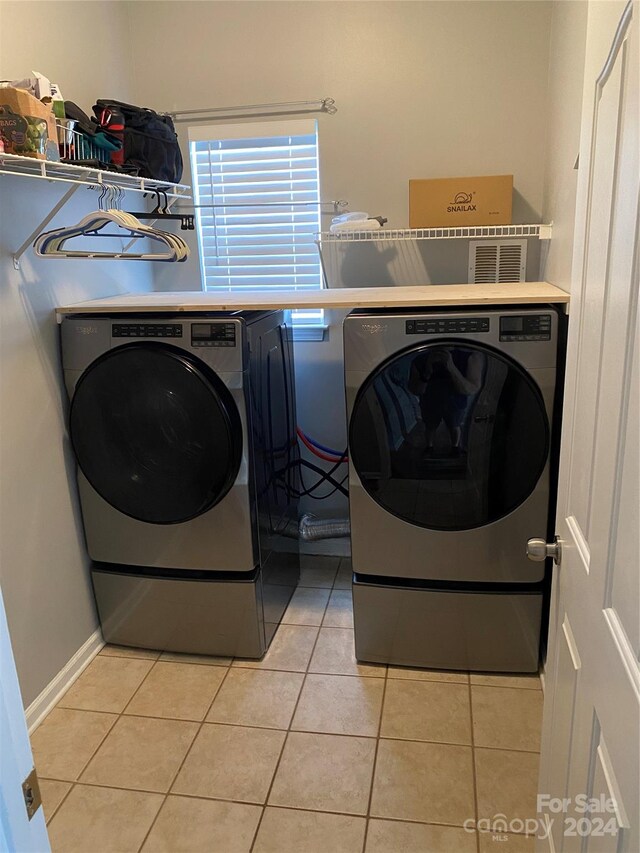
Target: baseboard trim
[[40, 707]]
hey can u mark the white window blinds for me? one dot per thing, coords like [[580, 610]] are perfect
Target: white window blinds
[[257, 188]]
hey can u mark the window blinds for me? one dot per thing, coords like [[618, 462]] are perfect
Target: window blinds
[[259, 207]]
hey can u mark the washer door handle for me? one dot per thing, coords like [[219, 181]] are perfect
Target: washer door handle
[[538, 550]]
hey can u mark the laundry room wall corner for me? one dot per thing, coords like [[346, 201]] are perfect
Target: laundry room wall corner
[[43, 563], [564, 107]]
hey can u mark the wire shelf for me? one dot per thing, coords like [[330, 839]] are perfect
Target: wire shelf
[[472, 232], [49, 170]]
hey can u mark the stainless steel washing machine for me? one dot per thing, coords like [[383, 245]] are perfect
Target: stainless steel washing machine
[[451, 423], [183, 429]]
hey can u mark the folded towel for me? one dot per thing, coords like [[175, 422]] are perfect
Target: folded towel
[[355, 225]]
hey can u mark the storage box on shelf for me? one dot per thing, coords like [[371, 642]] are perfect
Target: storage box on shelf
[[442, 202]]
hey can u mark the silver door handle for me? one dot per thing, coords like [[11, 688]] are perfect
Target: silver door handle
[[538, 550]]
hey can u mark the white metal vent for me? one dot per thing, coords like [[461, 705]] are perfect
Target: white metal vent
[[494, 261]]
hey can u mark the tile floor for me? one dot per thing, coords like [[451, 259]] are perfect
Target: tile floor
[[306, 751]]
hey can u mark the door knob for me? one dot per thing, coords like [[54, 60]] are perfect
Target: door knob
[[538, 550]]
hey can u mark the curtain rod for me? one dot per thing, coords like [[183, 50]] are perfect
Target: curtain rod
[[320, 105], [336, 204]]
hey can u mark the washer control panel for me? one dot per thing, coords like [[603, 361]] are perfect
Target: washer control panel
[[138, 330], [213, 334], [447, 326], [529, 327]]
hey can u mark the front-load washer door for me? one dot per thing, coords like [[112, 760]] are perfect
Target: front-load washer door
[[156, 433], [449, 437]]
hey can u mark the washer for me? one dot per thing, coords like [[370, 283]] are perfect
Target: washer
[[451, 423], [183, 430]]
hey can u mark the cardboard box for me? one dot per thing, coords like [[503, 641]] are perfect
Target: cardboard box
[[26, 124], [443, 202]]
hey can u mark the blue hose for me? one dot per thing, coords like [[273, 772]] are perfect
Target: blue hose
[[322, 446]]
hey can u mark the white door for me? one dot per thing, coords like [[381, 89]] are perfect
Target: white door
[[590, 746], [18, 834]]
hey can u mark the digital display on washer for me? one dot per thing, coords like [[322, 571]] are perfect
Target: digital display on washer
[[512, 324], [213, 334], [529, 327]]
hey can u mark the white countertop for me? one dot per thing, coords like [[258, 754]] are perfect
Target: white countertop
[[457, 295]]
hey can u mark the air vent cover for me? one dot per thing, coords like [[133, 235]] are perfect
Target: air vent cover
[[494, 261]]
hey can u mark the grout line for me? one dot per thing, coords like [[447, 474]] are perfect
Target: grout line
[[200, 797], [506, 686], [135, 692], [508, 749], [473, 769], [375, 758], [313, 672], [123, 656], [57, 808], [288, 731], [184, 758]]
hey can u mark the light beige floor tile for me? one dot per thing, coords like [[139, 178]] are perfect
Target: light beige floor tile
[[128, 652], [141, 752], [506, 842], [334, 654], [260, 698], [345, 574], [205, 660], [107, 684], [507, 783], [339, 613], [324, 773], [284, 830], [507, 718], [429, 782], [65, 741], [307, 606], [427, 710], [182, 691], [318, 571], [532, 682], [102, 820], [231, 763], [405, 672], [189, 825], [289, 651], [340, 704], [53, 793], [392, 836]]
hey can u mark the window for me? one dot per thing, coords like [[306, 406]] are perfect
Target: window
[[258, 190]]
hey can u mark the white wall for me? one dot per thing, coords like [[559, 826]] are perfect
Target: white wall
[[84, 47], [43, 565], [565, 81], [423, 89]]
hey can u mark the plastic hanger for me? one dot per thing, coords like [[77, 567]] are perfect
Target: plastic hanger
[[50, 244]]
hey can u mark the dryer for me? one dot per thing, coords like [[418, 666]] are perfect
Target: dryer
[[451, 424], [183, 430]]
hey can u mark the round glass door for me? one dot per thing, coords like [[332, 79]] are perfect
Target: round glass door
[[449, 436], [156, 433]]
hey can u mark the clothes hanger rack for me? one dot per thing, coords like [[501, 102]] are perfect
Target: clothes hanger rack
[[162, 210], [51, 244]]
